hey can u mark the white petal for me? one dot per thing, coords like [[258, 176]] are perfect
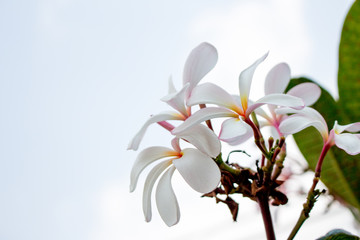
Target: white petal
[[233, 139], [171, 88], [177, 100], [237, 99], [135, 142], [146, 157], [348, 142], [239, 140], [263, 114], [175, 144], [306, 112], [198, 170], [201, 60], [353, 127], [277, 79], [308, 92], [275, 132], [149, 184], [231, 128], [278, 100], [213, 94], [246, 76], [203, 139], [166, 201], [296, 123], [203, 115], [264, 123]]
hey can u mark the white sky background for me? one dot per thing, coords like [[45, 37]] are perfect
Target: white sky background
[[79, 78]]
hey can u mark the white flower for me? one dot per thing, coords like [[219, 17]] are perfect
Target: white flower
[[307, 117], [201, 60], [234, 130], [198, 169], [276, 81]]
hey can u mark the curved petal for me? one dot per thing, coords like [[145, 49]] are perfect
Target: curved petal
[[177, 100], [266, 123], [148, 186], [175, 143], [232, 127], [166, 201], [237, 99], [203, 115], [296, 123], [203, 139], [308, 92], [353, 127], [263, 114], [213, 94], [277, 79], [198, 170], [135, 142], [245, 79], [146, 157], [233, 139], [171, 86], [278, 100], [201, 60], [306, 112], [350, 143]]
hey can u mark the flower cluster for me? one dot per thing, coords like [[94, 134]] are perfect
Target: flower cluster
[[201, 166]]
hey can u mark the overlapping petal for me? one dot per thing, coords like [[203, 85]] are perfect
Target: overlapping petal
[[164, 116], [149, 184], [277, 79], [203, 115], [212, 94], [262, 113], [203, 139], [308, 92], [232, 127], [296, 123], [198, 170], [306, 112], [279, 100], [177, 100], [166, 201], [234, 131], [146, 157], [201, 60]]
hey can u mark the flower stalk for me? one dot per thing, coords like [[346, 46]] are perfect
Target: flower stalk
[[263, 201], [313, 194]]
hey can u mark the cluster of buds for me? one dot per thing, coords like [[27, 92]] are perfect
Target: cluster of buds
[[202, 166]]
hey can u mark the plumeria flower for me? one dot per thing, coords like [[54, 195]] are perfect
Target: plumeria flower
[[235, 129], [198, 169], [308, 117], [201, 60], [276, 81]]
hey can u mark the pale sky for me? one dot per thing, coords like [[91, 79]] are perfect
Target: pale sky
[[79, 78]]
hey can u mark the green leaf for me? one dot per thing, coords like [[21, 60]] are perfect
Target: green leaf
[[339, 170], [338, 234], [349, 64]]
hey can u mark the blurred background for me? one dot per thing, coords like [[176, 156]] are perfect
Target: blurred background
[[79, 78]]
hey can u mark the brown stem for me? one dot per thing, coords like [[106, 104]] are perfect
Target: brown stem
[[259, 140], [263, 202]]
